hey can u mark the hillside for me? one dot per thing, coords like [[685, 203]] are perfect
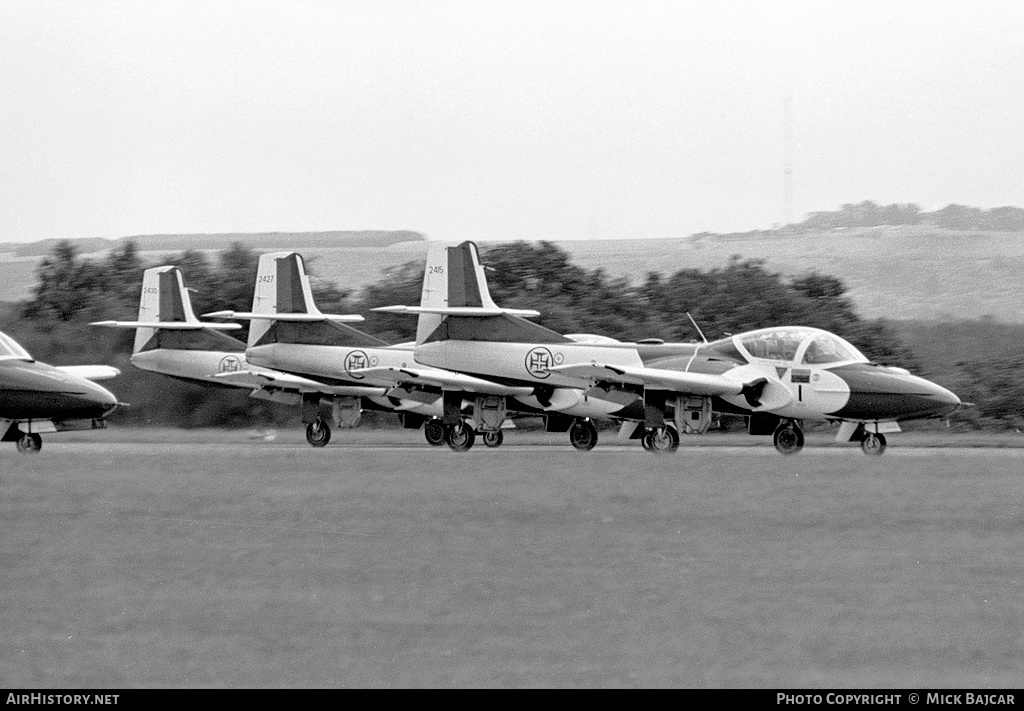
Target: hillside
[[907, 272], [358, 256], [900, 272], [255, 240]]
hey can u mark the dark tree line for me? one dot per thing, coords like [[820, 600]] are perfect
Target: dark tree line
[[74, 290], [742, 294]]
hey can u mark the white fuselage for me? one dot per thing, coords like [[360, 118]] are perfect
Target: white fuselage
[[338, 362], [815, 392], [523, 362], [191, 365], [527, 363], [206, 365]]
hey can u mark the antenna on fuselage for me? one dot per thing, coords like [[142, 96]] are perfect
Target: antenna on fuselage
[[696, 326]]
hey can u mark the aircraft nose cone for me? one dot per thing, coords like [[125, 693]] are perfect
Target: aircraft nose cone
[[945, 400], [923, 398], [877, 392], [103, 398]]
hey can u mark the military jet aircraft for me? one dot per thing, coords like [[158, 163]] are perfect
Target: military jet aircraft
[[37, 398], [459, 324], [171, 341], [776, 377], [290, 334], [827, 379]]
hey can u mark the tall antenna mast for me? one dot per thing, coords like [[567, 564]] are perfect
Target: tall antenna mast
[[787, 159]]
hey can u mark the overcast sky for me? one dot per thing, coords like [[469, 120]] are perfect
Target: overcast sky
[[498, 120]]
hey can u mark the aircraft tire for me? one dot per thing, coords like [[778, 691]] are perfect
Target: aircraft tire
[[318, 433], [645, 440], [873, 444], [460, 437], [788, 438], [664, 440], [493, 439], [583, 435], [29, 443], [434, 432]]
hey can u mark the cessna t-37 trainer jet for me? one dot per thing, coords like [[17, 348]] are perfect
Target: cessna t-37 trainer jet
[[37, 398], [777, 377], [289, 334], [485, 341], [171, 341]]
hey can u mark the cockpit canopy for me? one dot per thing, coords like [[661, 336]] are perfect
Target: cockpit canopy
[[10, 349], [797, 344]]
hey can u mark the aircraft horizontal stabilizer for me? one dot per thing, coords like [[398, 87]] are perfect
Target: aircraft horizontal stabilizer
[[293, 317], [169, 325], [447, 380], [477, 311], [90, 372], [286, 381]]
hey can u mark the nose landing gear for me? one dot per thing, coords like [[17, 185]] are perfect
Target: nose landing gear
[[29, 443], [873, 444]]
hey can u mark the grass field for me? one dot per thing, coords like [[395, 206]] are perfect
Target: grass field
[[231, 563]]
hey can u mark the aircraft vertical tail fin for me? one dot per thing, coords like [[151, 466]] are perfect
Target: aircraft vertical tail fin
[[435, 289], [283, 309], [456, 303], [161, 300], [282, 287], [164, 305], [453, 278], [467, 283]]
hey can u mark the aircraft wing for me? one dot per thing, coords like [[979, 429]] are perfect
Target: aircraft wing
[[693, 383], [295, 383], [444, 379], [758, 391], [90, 372], [475, 311], [169, 325], [290, 317]]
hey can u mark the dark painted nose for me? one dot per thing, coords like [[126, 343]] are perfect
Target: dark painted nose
[[101, 398], [880, 393], [945, 401]]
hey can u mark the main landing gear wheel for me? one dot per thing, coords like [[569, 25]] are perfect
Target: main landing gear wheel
[[663, 440], [873, 444], [493, 439], [460, 437], [583, 435], [29, 443], [318, 433], [433, 431], [789, 439], [645, 440]]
